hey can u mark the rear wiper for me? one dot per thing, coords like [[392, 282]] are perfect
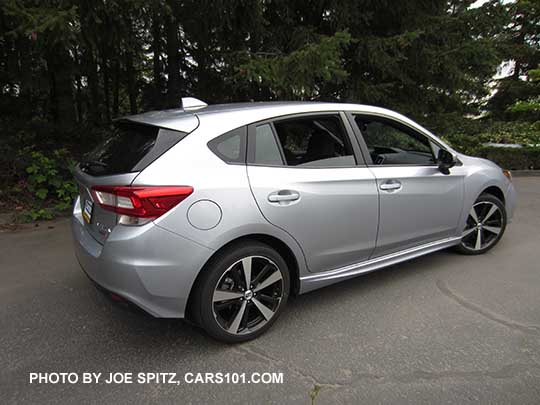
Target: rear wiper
[[88, 164]]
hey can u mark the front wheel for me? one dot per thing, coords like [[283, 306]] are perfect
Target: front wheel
[[242, 292], [485, 226]]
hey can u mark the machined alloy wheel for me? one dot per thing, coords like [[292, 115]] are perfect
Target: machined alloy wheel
[[243, 292], [485, 225], [248, 295]]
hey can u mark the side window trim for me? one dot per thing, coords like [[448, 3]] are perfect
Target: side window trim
[[359, 138], [365, 151], [348, 132], [252, 145], [278, 143], [357, 143]]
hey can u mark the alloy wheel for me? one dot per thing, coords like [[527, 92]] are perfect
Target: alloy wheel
[[247, 295], [484, 224]]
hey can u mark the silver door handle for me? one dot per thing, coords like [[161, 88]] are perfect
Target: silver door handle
[[390, 185], [285, 196]]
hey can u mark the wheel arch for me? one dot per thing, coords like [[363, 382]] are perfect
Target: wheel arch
[[281, 247], [494, 191]]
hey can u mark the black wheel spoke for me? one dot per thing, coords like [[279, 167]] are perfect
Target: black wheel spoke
[[247, 295], [484, 224]]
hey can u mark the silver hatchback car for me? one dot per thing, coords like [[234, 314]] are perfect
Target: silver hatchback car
[[219, 213]]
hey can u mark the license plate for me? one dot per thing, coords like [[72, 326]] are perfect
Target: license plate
[[87, 211]]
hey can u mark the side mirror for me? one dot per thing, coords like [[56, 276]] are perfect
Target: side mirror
[[446, 161]]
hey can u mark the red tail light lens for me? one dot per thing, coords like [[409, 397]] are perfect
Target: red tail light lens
[[140, 202]]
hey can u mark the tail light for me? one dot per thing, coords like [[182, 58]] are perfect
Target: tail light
[[140, 204]]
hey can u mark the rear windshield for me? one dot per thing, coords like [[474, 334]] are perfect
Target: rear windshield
[[129, 147]]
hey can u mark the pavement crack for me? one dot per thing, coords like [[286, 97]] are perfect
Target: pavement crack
[[500, 319], [506, 372], [260, 356]]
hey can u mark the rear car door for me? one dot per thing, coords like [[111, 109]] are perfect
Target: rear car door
[[306, 179], [418, 203]]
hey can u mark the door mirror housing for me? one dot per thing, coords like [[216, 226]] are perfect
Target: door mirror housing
[[446, 160]]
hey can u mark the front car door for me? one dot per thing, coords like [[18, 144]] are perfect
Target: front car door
[[418, 204], [306, 178]]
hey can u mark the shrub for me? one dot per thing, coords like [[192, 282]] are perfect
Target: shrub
[[49, 180], [513, 158], [517, 132]]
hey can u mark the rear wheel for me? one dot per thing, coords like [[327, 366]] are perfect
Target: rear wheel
[[242, 292], [485, 225]]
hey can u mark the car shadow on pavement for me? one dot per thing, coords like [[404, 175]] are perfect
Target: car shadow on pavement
[[134, 326]]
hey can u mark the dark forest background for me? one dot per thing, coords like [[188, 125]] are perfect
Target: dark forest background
[[69, 67]]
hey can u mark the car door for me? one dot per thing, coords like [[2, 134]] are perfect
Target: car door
[[306, 179], [418, 204]]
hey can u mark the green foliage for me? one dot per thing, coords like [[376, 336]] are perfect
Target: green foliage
[[68, 67], [534, 75], [513, 159], [528, 109], [49, 180], [472, 138], [519, 132], [300, 73], [518, 41], [52, 24]]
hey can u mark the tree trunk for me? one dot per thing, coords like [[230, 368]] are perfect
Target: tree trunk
[[89, 66], [78, 98], [156, 59], [106, 88], [173, 62], [132, 91], [116, 88], [59, 65]]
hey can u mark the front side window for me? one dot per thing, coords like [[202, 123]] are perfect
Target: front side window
[[313, 141], [390, 143]]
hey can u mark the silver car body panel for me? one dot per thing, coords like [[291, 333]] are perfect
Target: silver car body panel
[[342, 225], [147, 265], [335, 217], [427, 206], [178, 120]]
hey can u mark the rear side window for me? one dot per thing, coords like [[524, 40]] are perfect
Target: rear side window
[[230, 147], [129, 147], [312, 141]]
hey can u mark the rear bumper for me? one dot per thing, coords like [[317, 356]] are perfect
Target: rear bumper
[[149, 266]]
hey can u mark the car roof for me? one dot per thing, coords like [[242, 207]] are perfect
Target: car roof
[[182, 119], [234, 115]]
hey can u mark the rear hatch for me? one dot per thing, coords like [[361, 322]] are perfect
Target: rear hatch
[[128, 148]]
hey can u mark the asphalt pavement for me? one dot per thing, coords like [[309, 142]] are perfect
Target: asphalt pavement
[[440, 329]]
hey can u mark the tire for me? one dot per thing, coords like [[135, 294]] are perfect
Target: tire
[[491, 229], [232, 311]]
